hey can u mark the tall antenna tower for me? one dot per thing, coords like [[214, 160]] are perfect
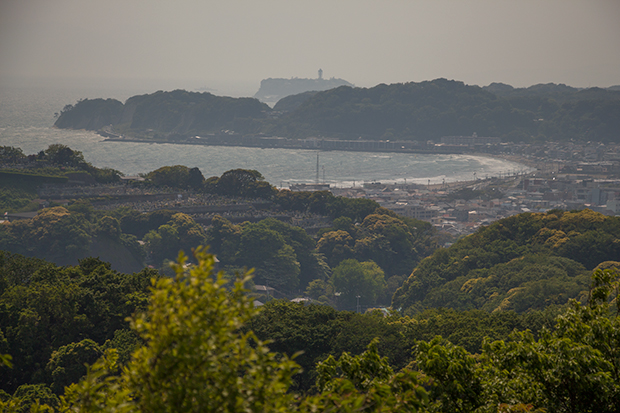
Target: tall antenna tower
[[317, 168]]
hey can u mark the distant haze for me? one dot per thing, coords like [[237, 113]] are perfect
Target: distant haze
[[229, 46]]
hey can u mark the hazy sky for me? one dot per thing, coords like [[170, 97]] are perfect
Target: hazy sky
[[206, 42]]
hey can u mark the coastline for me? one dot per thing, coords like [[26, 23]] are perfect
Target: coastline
[[286, 143], [534, 164], [537, 165]]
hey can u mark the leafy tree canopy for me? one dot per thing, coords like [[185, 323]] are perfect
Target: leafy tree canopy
[[199, 354], [177, 176], [522, 262], [432, 109], [246, 183], [282, 255], [409, 111], [52, 319], [180, 233], [358, 280]]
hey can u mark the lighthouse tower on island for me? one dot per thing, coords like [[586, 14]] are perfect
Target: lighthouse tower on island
[[272, 90]]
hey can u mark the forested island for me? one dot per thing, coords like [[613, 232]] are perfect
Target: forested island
[[405, 112], [520, 316]]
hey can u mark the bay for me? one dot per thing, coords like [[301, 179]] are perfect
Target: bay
[[27, 113]]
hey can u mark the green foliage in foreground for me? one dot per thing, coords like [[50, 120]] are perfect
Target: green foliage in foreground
[[199, 357], [191, 330], [196, 358], [574, 368], [54, 319], [320, 331]]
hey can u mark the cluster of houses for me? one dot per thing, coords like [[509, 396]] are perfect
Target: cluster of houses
[[460, 216], [570, 176]]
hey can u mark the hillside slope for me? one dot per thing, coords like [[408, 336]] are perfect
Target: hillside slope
[[518, 263], [432, 109], [166, 115], [90, 114], [408, 111]]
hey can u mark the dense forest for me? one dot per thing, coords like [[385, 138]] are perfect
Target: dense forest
[[520, 316], [169, 115], [367, 250], [432, 109], [196, 342], [522, 262], [404, 111]]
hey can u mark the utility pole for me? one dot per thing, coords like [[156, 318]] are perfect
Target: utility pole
[[359, 309]]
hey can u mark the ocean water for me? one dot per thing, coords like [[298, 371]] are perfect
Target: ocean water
[[27, 115]]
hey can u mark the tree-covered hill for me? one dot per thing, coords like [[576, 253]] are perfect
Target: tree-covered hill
[[54, 319], [411, 111], [182, 113], [66, 235], [519, 263], [559, 92], [196, 345], [542, 89], [90, 114], [21, 175], [292, 102], [408, 111], [380, 248], [166, 114], [432, 109]]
